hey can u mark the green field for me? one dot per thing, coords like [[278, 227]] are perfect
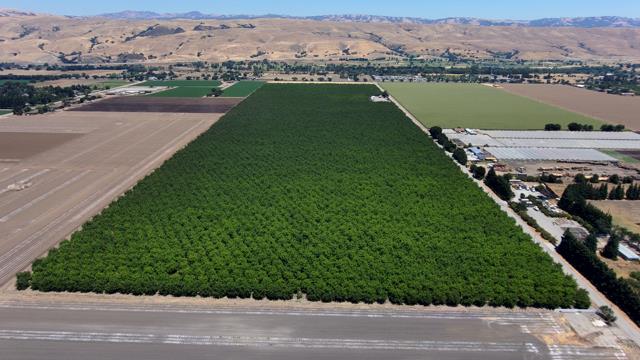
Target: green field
[[184, 88], [310, 189], [111, 84], [477, 106], [188, 91], [5, 111], [188, 83], [242, 88]]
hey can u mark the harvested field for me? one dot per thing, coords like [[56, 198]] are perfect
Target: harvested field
[[479, 107], [161, 105], [91, 158], [98, 83], [625, 213], [32, 72], [613, 109], [21, 145]]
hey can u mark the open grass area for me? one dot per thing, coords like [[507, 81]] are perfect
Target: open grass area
[[242, 88], [478, 106], [310, 189], [110, 84], [5, 111], [184, 88]]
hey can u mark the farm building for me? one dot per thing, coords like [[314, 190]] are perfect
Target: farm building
[[627, 253], [478, 153]]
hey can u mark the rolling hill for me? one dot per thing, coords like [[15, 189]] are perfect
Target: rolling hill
[[27, 37]]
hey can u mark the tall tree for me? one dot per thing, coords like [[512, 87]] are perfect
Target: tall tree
[[610, 251]]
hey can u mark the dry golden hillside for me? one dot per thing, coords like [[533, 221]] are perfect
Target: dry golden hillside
[[43, 38]]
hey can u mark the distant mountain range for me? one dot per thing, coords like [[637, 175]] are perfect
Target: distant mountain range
[[579, 22], [132, 36]]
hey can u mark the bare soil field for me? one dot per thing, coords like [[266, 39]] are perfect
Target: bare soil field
[[87, 160], [21, 145], [21, 72], [631, 153], [162, 105], [613, 109], [625, 213]]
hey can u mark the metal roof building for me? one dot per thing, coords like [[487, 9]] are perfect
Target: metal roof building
[[627, 253]]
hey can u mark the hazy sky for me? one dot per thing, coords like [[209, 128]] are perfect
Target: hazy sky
[[495, 9]]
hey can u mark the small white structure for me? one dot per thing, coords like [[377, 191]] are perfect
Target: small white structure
[[377, 99]]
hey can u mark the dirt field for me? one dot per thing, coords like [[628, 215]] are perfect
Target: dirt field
[[625, 213], [631, 153], [162, 105], [100, 83], [21, 145], [58, 72], [86, 160], [614, 109]]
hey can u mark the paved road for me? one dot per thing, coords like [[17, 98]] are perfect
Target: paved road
[[624, 322], [81, 331]]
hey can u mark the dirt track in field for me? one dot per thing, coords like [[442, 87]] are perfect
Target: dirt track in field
[[613, 109], [162, 105]]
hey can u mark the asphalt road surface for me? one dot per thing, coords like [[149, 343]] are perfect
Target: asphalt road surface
[[80, 331]]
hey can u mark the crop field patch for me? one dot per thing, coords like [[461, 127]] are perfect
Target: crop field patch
[[183, 83], [242, 88], [184, 92], [614, 109], [629, 156], [161, 105], [479, 107], [21, 145], [315, 190], [184, 88]]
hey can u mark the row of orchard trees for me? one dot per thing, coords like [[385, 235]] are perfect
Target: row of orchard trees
[[310, 190]]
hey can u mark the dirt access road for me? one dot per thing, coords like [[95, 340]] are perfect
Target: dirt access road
[[70, 165]]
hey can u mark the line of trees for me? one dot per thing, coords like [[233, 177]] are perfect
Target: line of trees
[[584, 127], [599, 274], [574, 201], [19, 96], [602, 192], [501, 185]]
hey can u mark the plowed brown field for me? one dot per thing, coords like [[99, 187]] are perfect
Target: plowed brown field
[[613, 109]]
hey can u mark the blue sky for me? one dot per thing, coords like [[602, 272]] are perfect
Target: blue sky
[[494, 9]]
